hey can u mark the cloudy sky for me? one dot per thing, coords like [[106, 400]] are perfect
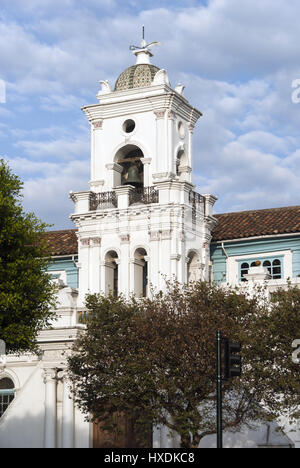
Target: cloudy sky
[[237, 59]]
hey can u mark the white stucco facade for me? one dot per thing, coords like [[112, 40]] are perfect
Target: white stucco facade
[[130, 236]]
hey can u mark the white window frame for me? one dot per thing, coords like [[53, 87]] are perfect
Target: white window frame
[[232, 264]]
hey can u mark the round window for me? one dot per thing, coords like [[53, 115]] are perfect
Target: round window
[[128, 126]]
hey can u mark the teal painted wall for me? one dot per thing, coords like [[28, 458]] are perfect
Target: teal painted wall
[[66, 264], [257, 246]]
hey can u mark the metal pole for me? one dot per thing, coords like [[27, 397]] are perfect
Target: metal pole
[[219, 391]]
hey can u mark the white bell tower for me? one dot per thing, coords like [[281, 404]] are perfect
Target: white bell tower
[[141, 221]]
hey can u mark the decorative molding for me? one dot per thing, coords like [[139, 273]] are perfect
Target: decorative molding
[[124, 189], [49, 375], [171, 115], [85, 242], [125, 238], [114, 167], [141, 100], [176, 257], [63, 375], [185, 169], [154, 235], [96, 183], [146, 160], [160, 113], [96, 241], [53, 355], [98, 125], [164, 175], [136, 261], [191, 127], [166, 234]]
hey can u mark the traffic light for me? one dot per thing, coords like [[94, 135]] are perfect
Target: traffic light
[[232, 361]]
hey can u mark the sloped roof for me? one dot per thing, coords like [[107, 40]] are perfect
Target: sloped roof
[[244, 224], [63, 242]]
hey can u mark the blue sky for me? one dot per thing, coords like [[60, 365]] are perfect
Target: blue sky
[[236, 58]]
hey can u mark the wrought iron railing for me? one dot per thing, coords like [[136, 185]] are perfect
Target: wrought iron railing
[[145, 195], [103, 200], [197, 201]]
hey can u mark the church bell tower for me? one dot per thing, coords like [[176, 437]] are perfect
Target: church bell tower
[[141, 220]]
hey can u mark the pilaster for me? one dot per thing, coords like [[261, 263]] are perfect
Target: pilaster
[[67, 430], [50, 420]]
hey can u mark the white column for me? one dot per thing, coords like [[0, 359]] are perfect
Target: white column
[[67, 431], [131, 276], [190, 155], [170, 149], [113, 172], [147, 162], [94, 259], [161, 156], [123, 194], [102, 277], [97, 166], [154, 269], [124, 265], [84, 271], [50, 408]]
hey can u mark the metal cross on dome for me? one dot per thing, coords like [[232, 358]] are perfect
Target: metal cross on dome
[[144, 45]]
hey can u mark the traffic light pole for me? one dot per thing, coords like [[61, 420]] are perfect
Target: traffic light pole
[[219, 391]]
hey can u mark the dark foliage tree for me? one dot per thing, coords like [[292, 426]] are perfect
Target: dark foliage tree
[[155, 360], [26, 292]]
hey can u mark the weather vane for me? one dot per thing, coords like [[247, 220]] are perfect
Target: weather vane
[[144, 45]]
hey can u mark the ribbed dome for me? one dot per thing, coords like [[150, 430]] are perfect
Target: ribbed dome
[[136, 76]]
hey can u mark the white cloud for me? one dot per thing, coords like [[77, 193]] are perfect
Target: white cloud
[[237, 60], [59, 149], [47, 186]]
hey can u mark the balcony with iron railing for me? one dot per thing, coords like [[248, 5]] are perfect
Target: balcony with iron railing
[[103, 200], [115, 199], [126, 196]]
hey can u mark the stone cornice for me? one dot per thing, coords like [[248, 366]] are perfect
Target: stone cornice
[[61, 335], [151, 99]]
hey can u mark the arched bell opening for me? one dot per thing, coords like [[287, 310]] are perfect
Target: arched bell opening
[[193, 268], [112, 273], [182, 167], [141, 273], [129, 158]]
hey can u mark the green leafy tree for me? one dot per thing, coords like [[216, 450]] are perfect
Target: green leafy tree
[[26, 292], [155, 360]]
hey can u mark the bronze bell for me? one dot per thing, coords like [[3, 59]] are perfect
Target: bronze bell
[[133, 177]]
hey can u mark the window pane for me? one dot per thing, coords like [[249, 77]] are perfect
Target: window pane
[[244, 271], [6, 384], [276, 262], [5, 401]]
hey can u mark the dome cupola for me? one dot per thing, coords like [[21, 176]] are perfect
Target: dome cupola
[[142, 73], [136, 76]]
